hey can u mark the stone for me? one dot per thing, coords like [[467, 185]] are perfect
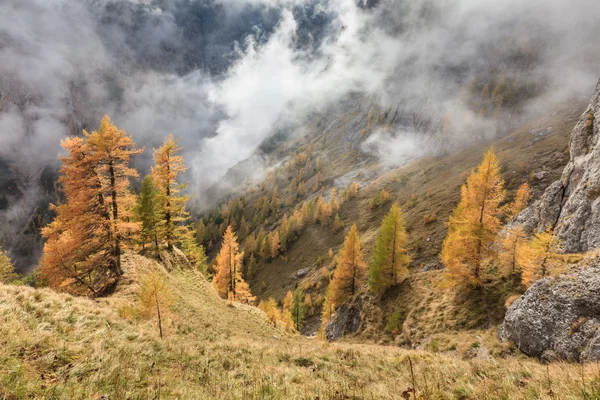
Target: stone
[[301, 273], [347, 319], [558, 318]]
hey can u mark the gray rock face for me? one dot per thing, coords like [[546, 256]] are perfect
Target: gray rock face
[[346, 320], [571, 206], [558, 318]]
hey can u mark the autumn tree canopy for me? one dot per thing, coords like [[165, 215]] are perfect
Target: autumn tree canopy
[[228, 280], [390, 254], [156, 297], [475, 222], [83, 244], [351, 271], [171, 201], [539, 257]]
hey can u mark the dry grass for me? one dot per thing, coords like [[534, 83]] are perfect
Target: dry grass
[[57, 346]]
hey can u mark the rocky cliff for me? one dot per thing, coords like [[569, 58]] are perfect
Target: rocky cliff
[[571, 205]]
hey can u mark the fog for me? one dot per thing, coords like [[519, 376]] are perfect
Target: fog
[[225, 74]]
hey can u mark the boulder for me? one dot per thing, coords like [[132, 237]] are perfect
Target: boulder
[[558, 318], [301, 273]]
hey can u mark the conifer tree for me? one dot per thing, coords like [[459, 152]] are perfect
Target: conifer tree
[[390, 254], [284, 232], [195, 253], [171, 202], [148, 213], [228, 280], [250, 245], [275, 201], [265, 248], [83, 243], [337, 223], [111, 150], [156, 297], [298, 309], [509, 259], [201, 232], [522, 198], [539, 257], [271, 309], [473, 226], [351, 272], [251, 267], [7, 269], [274, 244]]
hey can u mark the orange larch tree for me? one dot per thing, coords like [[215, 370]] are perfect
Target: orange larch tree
[[111, 150], [522, 198], [351, 271], [168, 165], [83, 244], [473, 226], [228, 280], [509, 259], [539, 257]]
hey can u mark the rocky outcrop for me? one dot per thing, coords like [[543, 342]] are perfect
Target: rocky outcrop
[[347, 319], [571, 206], [558, 318]]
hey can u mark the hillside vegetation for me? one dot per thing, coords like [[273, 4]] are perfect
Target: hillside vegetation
[[62, 347]]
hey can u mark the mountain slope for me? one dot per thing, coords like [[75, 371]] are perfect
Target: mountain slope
[[61, 347], [427, 189]]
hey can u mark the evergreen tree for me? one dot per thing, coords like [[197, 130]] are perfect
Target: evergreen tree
[[351, 272], [148, 213], [195, 253], [298, 309], [390, 254], [171, 202], [473, 226]]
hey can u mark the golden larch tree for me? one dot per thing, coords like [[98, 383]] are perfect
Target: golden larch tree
[[168, 165], [520, 202], [228, 280], [83, 243], [474, 224], [156, 297], [111, 150], [509, 258], [539, 257], [351, 271]]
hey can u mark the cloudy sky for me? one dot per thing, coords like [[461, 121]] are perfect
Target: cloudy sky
[[225, 74]]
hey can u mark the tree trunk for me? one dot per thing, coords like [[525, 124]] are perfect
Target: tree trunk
[[168, 207], [115, 212], [158, 314]]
